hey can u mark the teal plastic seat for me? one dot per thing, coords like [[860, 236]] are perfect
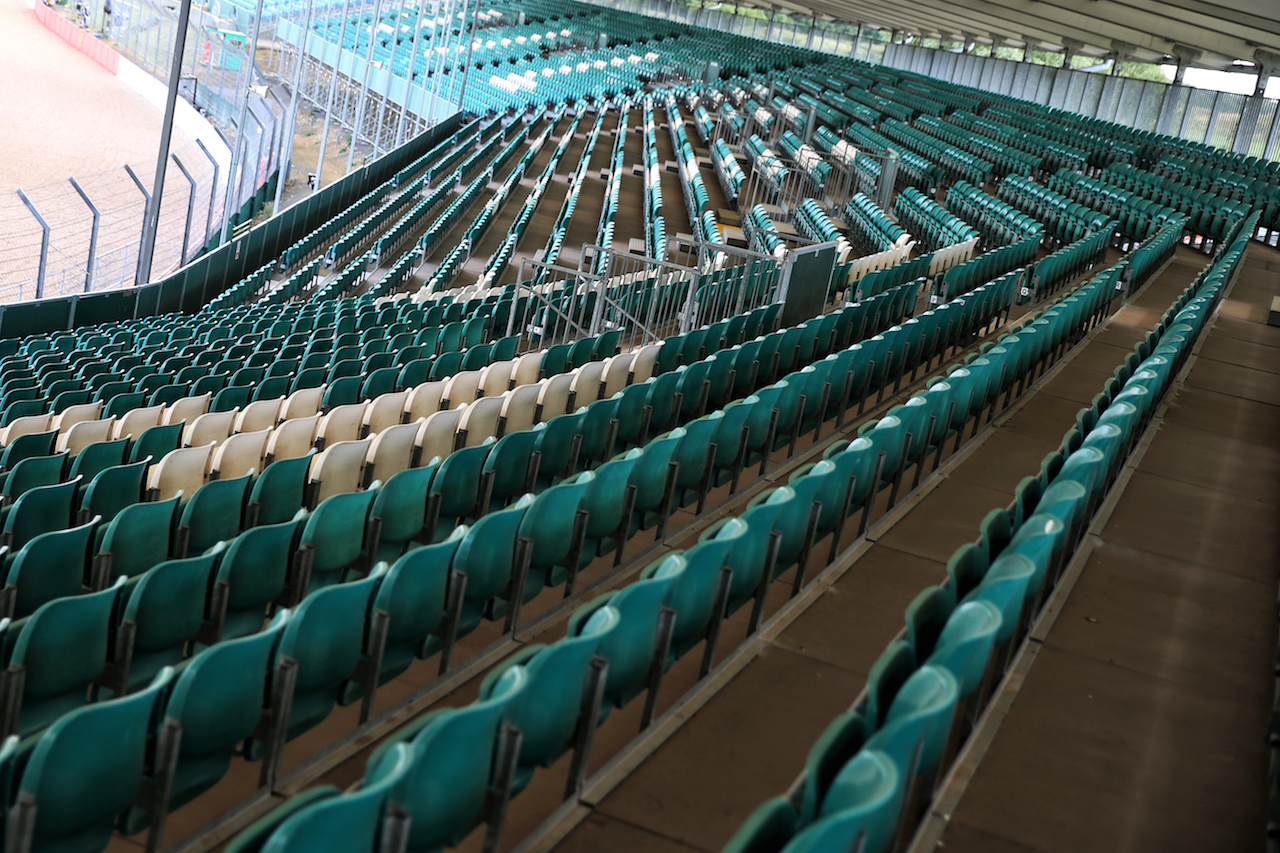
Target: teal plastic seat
[[63, 649], [113, 489], [509, 461], [217, 698], [915, 733], [326, 637], [965, 645], [255, 567], [487, 555], [414, 593], [456, 487], [278, 492], [549, 524], [556, 444], [336, 535], [401, 507], [890, 671], [693, 591], [139, 537], [861, 810], [167, 606], [41, 510], [352, 821], [32, 473], [548, 713], [27, 446], [214, 513], [629, 648], [156, 442], [453, 750], [88, 767], [838, 743], [50, 566], [96, 458]]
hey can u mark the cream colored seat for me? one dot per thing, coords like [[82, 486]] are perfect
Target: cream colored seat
[[496, 378], [137, 421], [385, 410], [481, 420], [209, 428], [81, 435], [187, 409], [73, 415], [27, 425], [391, 451], [183, 470], [438, 433], [240, 454], [293, 438], [528, 368], [642, 365], [339, 469], [462, 388], [586, 385], [341, 423], [617, 371], [302, 403], [260, 414], [553, 398], [520, 408], [424, 400]]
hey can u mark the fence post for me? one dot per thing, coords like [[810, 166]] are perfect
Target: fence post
[[93, 235], [44, 242], [213, 192], [146, 210], [191, 208]]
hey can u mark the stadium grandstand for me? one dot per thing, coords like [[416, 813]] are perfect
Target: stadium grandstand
[[843, 427]]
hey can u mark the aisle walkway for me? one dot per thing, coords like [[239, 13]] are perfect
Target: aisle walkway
[[1141, 723]]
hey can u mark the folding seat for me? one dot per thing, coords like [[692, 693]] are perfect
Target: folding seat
[[48, 566], [166, 607], [341, 423], [915, 732], [449, 779], [554, 396], [337, 540], [25, 446], [186, 409], [337, 470], [766, 829], [59, 650], [461, 389], [154, 442], [302, 403], [326, 636], [180, 472], [138, 538], [255, 569], [964, 648], [76, 793], [480, 421], [213, 513], [31, 473]]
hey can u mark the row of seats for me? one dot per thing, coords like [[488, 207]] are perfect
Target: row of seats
[[929, 222], [1064, 219], [1005, 159], [997, 222], [875, 769]]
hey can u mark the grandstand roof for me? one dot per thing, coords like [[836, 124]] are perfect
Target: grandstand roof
[[1145, 29]]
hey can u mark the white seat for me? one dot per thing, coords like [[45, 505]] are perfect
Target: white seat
[[183, 470], [528, 367], [391, 451], [424, 400], [520, 408], [643, 363], [462, 388], [240, 454], [481, 420], [341, 423], [616, 372], [72, 415], [187, 408], [137, 421], [27, 425], [438, 433], [339, 469], [586, 385], [553, 398], [79, 436], [302, 403], [293, 438], [209, 428], [385, 410], [260, 414], [496, 378]]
